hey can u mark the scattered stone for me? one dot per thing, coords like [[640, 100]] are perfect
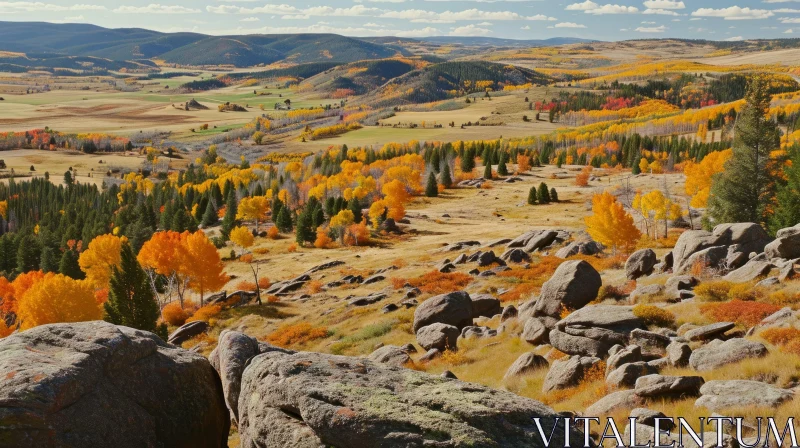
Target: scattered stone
[[627, 374], [615, 401], [644, 293], [388, 308], [478, 332], [534, 332], [447, 268], [593, 330], [448, 374], [412, 293], [499, 242], [767, 282], [509, 312], [454, 309], [375, 297], [708, 332], [567, 372], [540, 241], [187, 331], [652, 344], [351, 402], [648, 417], [439, 336], [515, 256], [718, 395], [485, 305], [640, 263], [573, 285], [668, 386], [527, 363], [717, 353], [430, 355], [679, 353], [787, 244], [580, 248], [711, 258], [678, 283], [749, 272], [390, 355], [461, 259], [101, 385], [626, 355]]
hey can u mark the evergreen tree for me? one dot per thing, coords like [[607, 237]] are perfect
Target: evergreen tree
[[501, 166], [446, 177], [305, 232], [210, 215], [284, 220], [354, 205], [68, 180], [745, 189], [130, 299], [553, 195], [28, 254], [468, 161], [229, 220], [532, 196], [330, 206], [318, 217], [49, 262], [787, 211], [69, 265], [544, 194], [487, 172], [432, 189]]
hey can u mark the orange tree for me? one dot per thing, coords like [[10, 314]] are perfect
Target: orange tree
[[610, 224]]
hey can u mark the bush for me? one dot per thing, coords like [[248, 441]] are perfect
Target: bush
[[436, 282], [654, 316], [205, 313], [300, 333], [264, 283], [174, 315], [743, 313], [780, 336], [246, 286], [713, 291]]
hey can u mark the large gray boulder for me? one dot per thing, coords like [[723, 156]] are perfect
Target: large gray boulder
[[233, 352], [718, 395], [746, 237], [454, 309], [718, 353], [615, 401], [534, 332], [710, 258], [693, 241], [652, 386], [751, 271], [527, 363], [540, 241], [312, 399], [587, 247], [627, 374], [573, 285], [439, 336], [187, 331], [786, 245], [640, 263], [593, 330], [652, 344], [390, 355], [94, 384], [485, 305], [708, 332], [567, 372]]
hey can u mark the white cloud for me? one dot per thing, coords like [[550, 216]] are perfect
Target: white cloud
[[16, 7], [613, 9], [585, 6], [651, 29], [250, 19], [424, 32], [790, 20], [421, 15], [734, 39], [485, 24], [568, 25], [283, 9], [156, 8], [664, 4], [789, 31], [373, 25], [470, 30], [663, 12], [526, 27], [734, 13], [787, 11]]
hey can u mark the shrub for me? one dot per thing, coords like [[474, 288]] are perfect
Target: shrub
[[264, 283], [273, 299], [300, 333], [454, 358], [611, 292], [314, 286], [653, 315], [713, 291], [292, 248], [743, 313], [783, 298], [174, 315], [745, 291], [436, 282], [205, 313], [246, 286], [273, 233], [780, 336]]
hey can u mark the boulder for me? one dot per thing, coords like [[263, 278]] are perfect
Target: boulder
[[485, 305], [629, 354], [573, 285], [663, 386], [787, 244], [640, 263], [454, 309], [646, 293], [489, 258], [752, 270], [711, 258], [94, 384], [233, 352], [540, 241], [509, 312], [588, 247], [478, 332], [593, 330], [187, 331], [515, 256], [313, 399], [391, 355], [708, 332], [526, 364], [534, 331], [567, 372], [523, 239], [652, 344], [746, 236], [430, 355], [439, 336], [648, 417], [693, 241], [718, 395], [718, 353], [615, 401], [626, 374], [679, 353], [678, 283]]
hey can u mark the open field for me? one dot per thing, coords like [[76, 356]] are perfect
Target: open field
[[88, 167]]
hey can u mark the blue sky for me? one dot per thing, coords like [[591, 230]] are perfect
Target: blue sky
[[518, 19]]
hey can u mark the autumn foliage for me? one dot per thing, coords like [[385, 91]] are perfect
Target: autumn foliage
[[301, 333], [58, 298], [610, 224]]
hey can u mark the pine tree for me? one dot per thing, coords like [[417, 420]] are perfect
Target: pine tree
[[130, 299], [553, 195], [49, 262], [544, 194], [284, 220], [431, 189], [501, 166], [318, 217], [354, 205], [304, 233], [446, 178], [210, 215], [28, 254], [487, 172], [745, 189], [229, 221], [787, 211], [69, 265], [532, 196]]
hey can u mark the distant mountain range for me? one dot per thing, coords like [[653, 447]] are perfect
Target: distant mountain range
[[42, 41]]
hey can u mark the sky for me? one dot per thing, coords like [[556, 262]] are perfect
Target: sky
[[515, 19]]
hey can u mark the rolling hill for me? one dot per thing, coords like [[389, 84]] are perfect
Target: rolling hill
[[185, 48], [360, 77]]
